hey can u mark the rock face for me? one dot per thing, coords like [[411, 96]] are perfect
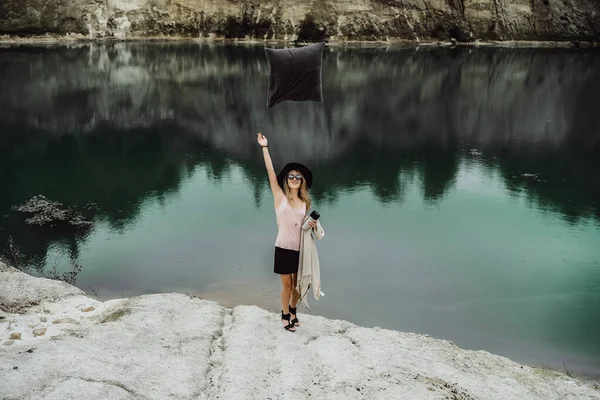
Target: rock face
[[308, 20], [17, 292]]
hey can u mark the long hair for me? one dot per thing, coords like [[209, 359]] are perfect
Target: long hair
[[302, 193]]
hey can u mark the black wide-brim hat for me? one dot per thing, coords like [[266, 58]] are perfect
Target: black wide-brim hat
[[298, 167]]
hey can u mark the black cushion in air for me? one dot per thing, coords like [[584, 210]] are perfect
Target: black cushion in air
[[295, 74]]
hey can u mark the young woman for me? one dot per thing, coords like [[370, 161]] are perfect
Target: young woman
[[292, 201]]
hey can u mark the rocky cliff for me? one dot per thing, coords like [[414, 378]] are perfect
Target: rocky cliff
[[308, 20]]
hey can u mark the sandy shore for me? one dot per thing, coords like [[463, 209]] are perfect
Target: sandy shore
[[58, 343]]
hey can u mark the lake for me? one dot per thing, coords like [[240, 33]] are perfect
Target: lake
[[459, 188]]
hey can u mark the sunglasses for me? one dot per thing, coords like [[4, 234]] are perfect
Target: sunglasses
[[292, 176]]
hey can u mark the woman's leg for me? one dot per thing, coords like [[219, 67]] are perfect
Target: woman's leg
[[286, 293], [294, 299], [295, 294]]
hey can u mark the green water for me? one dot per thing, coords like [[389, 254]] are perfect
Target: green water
[[459, 189]]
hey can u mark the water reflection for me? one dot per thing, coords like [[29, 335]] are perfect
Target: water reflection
[[115, 124]]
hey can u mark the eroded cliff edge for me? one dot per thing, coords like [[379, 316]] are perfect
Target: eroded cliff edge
[[331, 20]]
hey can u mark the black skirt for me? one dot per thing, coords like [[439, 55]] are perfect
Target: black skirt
[[286, 261]]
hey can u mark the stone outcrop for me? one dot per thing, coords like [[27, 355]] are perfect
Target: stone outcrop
[[17, 294], [43, 212], [177, 346], [308, 20]]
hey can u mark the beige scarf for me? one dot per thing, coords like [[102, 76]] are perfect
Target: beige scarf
[[309, 272]]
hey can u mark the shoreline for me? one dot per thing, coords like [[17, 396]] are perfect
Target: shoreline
[[393, 42], [229, 295], [230, 299], [56, 341]]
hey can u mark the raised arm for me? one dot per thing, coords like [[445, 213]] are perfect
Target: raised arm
[[277, 191]]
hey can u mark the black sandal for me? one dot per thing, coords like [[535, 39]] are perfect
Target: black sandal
[[295, 320], [286, 317]]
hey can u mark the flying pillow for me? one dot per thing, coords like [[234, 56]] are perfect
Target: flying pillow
[[295, 74]]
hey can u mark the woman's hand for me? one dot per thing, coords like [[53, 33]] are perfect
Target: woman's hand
[[312, 224], [277, 191], [262, 140]]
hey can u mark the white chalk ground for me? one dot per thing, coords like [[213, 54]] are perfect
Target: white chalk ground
[[173, 346]]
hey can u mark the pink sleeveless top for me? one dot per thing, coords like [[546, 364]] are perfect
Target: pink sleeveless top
[[289, 223]]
